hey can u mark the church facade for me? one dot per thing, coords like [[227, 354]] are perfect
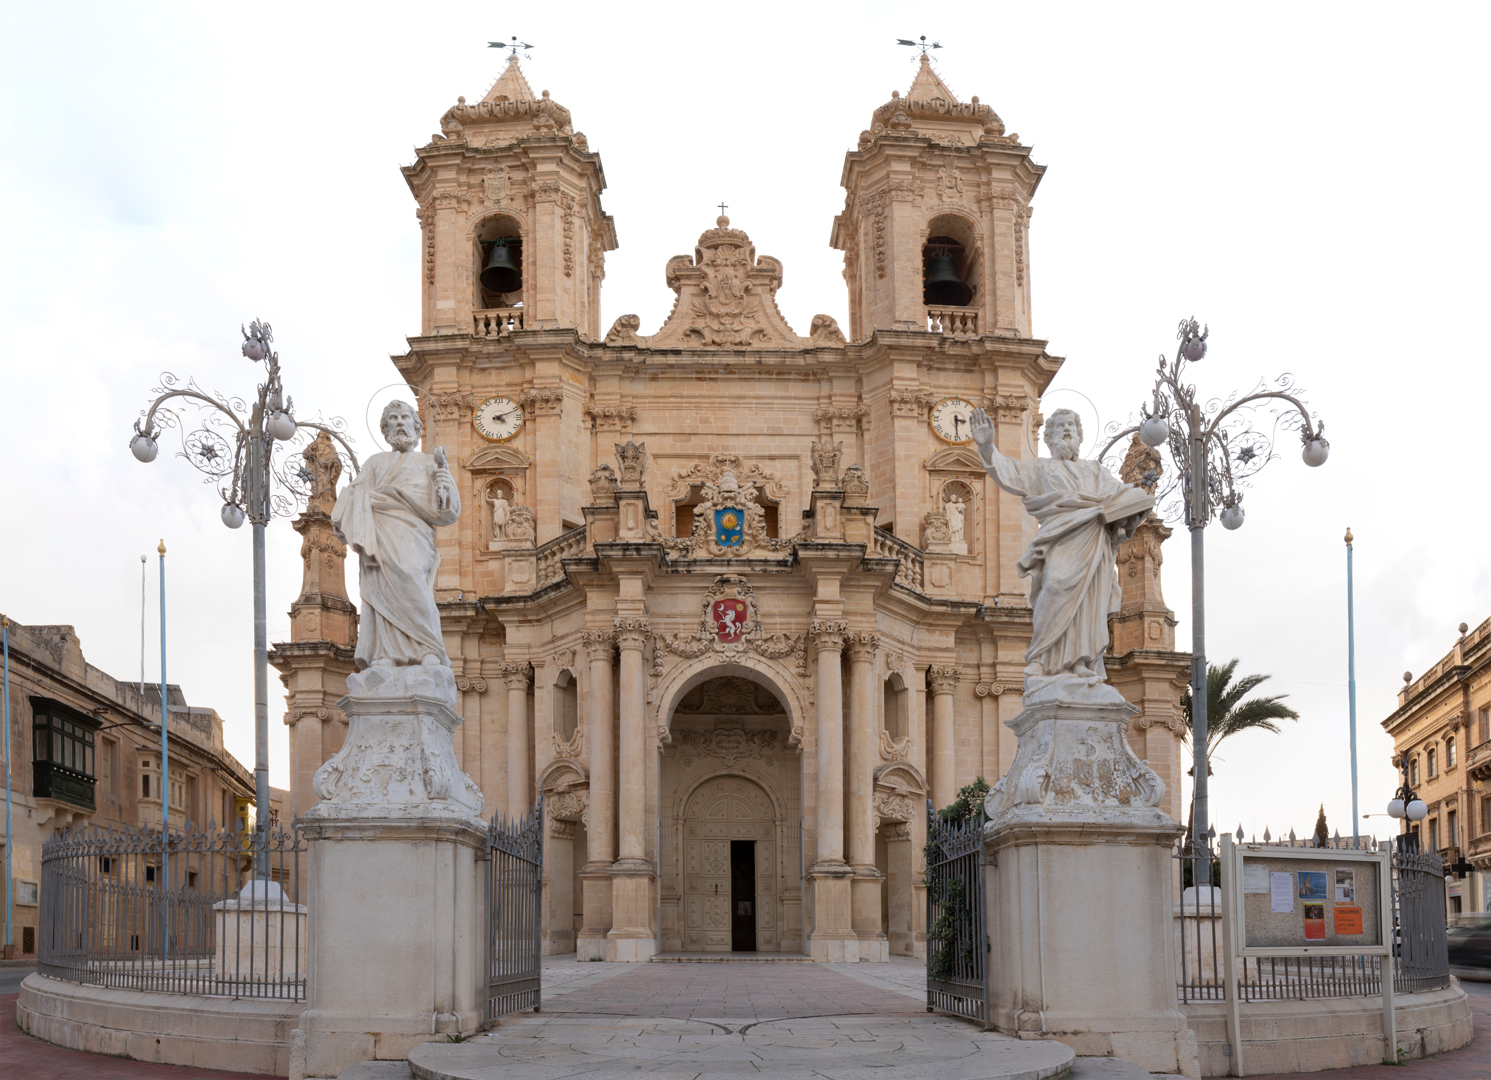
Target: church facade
[[737, 602]]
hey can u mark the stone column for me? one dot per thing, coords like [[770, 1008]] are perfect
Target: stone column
[[519, 748], [833, 939], [859, 804], [632, 936], [944, 681], [600, 741]]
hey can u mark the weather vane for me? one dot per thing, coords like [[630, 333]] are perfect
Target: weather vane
[[523, 47], [923, 46]]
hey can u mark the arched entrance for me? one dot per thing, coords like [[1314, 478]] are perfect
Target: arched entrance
[[729, 868]]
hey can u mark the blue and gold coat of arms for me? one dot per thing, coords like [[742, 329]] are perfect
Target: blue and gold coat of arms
[[729, 527]]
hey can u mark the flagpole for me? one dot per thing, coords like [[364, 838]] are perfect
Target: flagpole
[[142, 625], [165, 767], [5, 647], [1351, 682]]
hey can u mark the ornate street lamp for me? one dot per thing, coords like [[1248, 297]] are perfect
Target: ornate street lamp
[[238, 446], [1215, 448]]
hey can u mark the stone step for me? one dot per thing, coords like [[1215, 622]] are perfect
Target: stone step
[[1109, 1068], [379, 1070], [729, 957], [820, 1048]]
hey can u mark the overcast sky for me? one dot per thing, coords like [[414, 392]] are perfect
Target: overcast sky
[[1307, 179]]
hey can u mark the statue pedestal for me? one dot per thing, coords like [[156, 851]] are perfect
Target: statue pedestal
[[395, 935], [1079, 891]]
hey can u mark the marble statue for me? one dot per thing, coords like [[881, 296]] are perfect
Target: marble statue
[[388, 514], [500, 509], [953, 507], [1083, 513]]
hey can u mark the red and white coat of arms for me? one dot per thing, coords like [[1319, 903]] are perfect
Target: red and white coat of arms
[[729, 619]]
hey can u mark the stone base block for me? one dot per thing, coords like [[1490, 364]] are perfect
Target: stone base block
[[834, 947], [247, 1035], [590, 947], [1329, 1033], [874, 950], [629, 950], [395, 940]]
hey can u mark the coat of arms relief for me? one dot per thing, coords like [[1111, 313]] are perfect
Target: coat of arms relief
[[729, 519]]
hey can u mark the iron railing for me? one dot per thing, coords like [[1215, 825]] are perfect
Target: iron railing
[[957, 940], [514, 901], [1420, 945], [180, 912], [1421, 942]]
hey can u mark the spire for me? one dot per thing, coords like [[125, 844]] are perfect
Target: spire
[[511, 85], [928, 85]]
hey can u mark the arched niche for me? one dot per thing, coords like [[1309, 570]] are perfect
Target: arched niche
[[956, 236], [497, 230]]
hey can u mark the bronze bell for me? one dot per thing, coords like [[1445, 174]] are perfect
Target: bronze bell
[[501, 275], [944, 288]]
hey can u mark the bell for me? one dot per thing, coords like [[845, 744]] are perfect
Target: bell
[[501, 275], [944, 288]]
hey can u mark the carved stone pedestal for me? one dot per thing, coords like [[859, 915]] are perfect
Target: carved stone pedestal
[[395, 899], [1079, 892]]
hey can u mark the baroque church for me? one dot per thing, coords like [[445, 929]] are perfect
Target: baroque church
[[738, 603]]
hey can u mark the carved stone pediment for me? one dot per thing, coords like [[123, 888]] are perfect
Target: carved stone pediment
[[726, 297], [498, 458], [956, 459]]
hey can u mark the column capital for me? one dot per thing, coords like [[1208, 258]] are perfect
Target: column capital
[[862, 646], [828, 634], [599, 643], [514, 674], [943, 679], [631, 633], [474, 684]]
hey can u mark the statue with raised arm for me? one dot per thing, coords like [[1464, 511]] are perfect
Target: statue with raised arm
[[1084, 513], [388, 514]]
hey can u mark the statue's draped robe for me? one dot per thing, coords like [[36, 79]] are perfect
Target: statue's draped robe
[[388, 515], [1072, 559]]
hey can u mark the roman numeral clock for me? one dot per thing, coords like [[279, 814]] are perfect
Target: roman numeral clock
[[498, 419]]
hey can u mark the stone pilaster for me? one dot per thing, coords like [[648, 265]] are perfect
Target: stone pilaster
[[632, 936], [859, 805], [944, 681], [833, 939], [600, 741], [516, 675]]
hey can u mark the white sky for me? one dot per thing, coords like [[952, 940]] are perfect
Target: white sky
[[1307, 179]]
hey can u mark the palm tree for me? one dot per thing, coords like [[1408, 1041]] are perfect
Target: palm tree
[[1227, 714]]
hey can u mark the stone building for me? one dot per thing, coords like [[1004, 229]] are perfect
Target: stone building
[[737, 601], [85, 750], [1442, 734]]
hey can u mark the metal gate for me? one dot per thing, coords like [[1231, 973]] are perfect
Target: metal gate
[[1422, 947], [515, 865], [957, 941]]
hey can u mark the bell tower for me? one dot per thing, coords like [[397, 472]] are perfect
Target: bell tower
[[935, 217], [510, 213]]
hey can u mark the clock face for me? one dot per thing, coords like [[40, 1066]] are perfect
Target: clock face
[[498, 419], [952, 420]]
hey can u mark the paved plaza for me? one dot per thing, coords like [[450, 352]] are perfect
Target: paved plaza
[[693, 1021]]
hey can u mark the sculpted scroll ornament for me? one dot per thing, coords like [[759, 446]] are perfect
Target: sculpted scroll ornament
[[729, 522], [750, 638], [726, 296], [893, 808], [729, 745]]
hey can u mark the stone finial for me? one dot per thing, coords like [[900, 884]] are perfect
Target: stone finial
[[1142, 466], [520, 524], [632, 456], [856, 485], [935, 531], [824, 458], [825, 331], [603, 486]]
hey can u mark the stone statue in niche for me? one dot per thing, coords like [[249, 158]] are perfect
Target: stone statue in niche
[[501, 511], [954, 507], [1084, 513], [388, 514]]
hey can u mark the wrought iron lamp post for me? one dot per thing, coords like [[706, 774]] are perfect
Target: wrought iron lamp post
[[1215, 449], [236, 446]]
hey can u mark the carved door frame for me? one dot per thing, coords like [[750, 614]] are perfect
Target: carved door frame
[[696, 929]]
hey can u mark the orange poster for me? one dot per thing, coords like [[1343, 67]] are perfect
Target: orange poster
[[1314, 922], [1348, 919]]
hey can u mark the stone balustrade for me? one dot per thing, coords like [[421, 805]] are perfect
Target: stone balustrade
[[911, 572], [956, 321], [552, 555], [494, 322]]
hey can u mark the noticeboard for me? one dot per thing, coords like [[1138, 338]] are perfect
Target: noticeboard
[[1309, 899]]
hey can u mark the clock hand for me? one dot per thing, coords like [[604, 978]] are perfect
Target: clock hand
[[957, 422]]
